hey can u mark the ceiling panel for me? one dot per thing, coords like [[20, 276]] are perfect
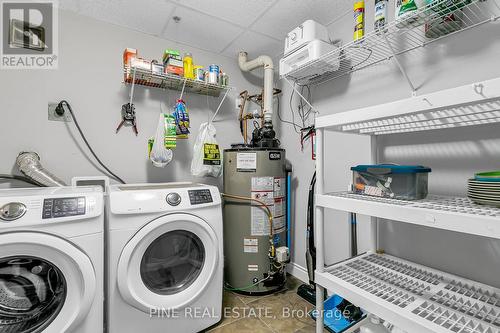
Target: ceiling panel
[[240, 12], [147, 16], [255, 44], [287, 14], [200, 30]]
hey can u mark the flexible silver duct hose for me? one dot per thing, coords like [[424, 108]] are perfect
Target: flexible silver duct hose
[[29, 164]]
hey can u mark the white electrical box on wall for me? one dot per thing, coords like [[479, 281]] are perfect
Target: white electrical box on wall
[[303, 34], [305, 44], [308, 53]]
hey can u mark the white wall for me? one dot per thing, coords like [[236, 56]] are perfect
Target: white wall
[[454, 155], [90, 77]]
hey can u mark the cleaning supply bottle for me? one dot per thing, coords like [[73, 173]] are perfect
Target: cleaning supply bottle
[[380, 19], [359, 20], [188, 66], [373, 325], [405, 11]]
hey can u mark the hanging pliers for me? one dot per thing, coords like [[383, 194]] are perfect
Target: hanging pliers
[[128, 116]]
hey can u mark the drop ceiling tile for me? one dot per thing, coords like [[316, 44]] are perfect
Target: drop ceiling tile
[[149, 17], [255, 44], [240, 12], [288, 14], [200, 30]]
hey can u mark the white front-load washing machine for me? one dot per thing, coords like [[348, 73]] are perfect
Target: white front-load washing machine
[[165, 258], [51, 260]]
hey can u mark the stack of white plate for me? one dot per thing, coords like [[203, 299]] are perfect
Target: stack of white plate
[[484, 189]]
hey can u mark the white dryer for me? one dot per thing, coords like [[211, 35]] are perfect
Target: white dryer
[[51, 260], [165, 258]]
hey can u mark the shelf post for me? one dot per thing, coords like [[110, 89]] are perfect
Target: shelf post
[[374, 223], [220, 104], [401, 68], [319, 228]]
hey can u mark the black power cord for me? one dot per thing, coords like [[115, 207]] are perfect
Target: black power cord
[[21, 178], [60, 111]]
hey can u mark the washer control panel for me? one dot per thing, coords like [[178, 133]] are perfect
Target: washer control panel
[[173, 199], [63, 207], [197, 197]]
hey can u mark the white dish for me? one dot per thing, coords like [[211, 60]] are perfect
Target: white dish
[[486, 202]]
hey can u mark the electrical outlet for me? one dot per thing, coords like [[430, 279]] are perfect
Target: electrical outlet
[[53, 116]]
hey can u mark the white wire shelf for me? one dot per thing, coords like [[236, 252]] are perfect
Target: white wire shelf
[[416, 298], [442, 212], [398, 38], [468, 105], [145, 77]]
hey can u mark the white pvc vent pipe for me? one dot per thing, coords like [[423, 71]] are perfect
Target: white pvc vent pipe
[[267, 63]]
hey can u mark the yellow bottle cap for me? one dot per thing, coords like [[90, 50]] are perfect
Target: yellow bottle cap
[[359, 5]]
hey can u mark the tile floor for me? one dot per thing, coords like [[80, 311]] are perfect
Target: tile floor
[[281, 312]]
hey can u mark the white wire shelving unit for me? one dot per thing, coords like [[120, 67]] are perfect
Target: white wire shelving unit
[[415, 298], [442, 212], [398, 38], [145, 77]]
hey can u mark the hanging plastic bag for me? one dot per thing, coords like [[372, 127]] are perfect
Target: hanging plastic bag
[[207, 159], [160, 155]]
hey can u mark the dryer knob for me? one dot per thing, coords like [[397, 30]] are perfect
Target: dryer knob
[[173, 199], [12, 211]]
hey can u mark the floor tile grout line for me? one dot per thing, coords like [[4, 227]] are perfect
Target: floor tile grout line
[[265, 324], [230, 323]]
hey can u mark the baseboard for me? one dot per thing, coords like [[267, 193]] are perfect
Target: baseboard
[[298, 271]]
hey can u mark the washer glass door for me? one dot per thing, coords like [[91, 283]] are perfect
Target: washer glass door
[[32, 293], [168, 263], [172, 262]]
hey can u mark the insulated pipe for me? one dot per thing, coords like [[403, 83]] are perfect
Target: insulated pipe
[[267, 63], [29, 164]]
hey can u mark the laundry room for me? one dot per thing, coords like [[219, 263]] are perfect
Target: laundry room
[[274, 166]]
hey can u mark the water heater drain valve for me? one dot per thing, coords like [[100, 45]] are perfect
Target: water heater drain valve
[[282, 254]]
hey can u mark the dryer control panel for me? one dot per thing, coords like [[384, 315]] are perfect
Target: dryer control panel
[[63, 207]]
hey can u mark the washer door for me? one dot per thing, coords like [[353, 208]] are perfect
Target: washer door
[[46, 283], [168, 263]]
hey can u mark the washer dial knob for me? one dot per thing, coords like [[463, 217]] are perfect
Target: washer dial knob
[[173, 199]]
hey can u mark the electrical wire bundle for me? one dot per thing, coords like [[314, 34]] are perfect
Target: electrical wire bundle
[[302, 112]]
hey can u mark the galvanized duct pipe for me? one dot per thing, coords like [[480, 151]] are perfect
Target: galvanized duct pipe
[[29, 164]]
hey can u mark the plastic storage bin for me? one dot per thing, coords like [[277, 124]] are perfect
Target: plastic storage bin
[[406, 182]]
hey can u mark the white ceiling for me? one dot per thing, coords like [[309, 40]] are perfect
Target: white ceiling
[[220, 26]]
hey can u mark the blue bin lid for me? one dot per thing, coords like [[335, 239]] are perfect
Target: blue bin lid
[[392, 168]]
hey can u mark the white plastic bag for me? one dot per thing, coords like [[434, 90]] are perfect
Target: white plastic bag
[[160, 156], [207, 159]]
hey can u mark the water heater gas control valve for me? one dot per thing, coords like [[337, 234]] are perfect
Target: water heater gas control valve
[[282, 254]]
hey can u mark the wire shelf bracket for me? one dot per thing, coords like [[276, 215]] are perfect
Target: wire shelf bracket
[[400, 66]]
